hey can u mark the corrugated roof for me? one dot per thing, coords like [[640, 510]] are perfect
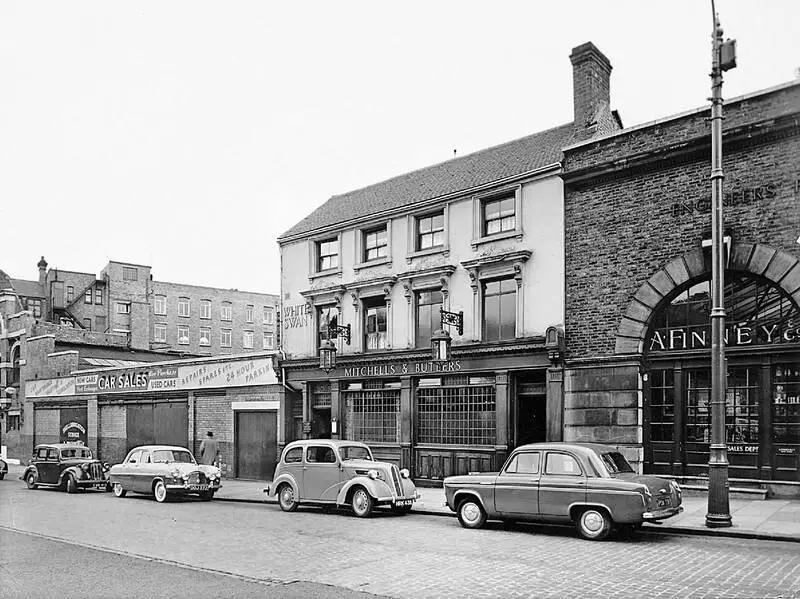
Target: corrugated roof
[[27, 288], [479, 168]]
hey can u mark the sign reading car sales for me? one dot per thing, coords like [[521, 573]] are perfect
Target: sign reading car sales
[[223, 373]]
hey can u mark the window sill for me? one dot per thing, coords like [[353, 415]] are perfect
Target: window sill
[[497, 237], [439, 249], [325, 273], [371, 263]]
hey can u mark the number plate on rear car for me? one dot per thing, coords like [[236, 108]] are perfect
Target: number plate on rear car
[[663, 502], [403, 502]]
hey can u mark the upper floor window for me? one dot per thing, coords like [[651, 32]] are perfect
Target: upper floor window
[[328, 254], [183, 306], [499, 309], [70, 294], [205, 336], [247, 339], [98, 296], [129, 273], [327, 316], [225, 337], [269, 340], [430, 230], [376, 244], [269, 315], [429, 304], [35, 305], [160, 305], [205, 308], [249, 313], [375, 331], [87, 296], [183, 335], [160, 333], [123, 307], [226, 311], [499, 214]]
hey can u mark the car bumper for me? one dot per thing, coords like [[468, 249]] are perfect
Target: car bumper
[[187, 488], [99, 483], [662, 514], [404, 500]]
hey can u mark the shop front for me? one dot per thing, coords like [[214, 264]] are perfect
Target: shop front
[[435, 418]]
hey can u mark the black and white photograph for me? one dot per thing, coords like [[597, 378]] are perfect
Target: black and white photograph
[[421, 300]]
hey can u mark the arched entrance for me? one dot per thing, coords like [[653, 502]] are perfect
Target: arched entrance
[[762, 423]]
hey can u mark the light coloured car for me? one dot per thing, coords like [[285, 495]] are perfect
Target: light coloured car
[[590, 485], [164, 471], [339, 473]]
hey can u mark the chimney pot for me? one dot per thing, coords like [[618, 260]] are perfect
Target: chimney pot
[[591, 86]]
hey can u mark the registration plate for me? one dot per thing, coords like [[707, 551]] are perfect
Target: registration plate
[[663, 502], [403, 502], [198, 487]]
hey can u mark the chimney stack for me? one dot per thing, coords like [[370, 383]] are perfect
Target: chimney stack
[[591, 75], [42, 271]]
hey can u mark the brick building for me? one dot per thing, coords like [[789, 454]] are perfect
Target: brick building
[[638, 229], [480, 235]]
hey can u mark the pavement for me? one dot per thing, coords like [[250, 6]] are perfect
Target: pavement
[[766, 519]]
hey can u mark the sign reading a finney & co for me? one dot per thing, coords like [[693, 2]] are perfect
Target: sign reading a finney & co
[[700, 338]]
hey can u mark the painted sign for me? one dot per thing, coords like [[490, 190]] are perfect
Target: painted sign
[[73, 425], [742, 448], [177, 377], [401, 368], [296, 316], [735, 197], [736, 335]]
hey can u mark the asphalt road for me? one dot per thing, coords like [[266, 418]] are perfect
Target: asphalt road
[[411, 556]]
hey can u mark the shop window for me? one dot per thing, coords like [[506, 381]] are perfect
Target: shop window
[[428, 318], [160, 305], [741, 405], [499, 309], [456, 412], [160, 333], [205, 336], [786, 404], [327, 316], [499, 215], [205, 309], [247, 339], [375, 243], [184, 308], [372, 412], [248, 313], [328, 254], [430, 231], [662, 405], [375, 332]]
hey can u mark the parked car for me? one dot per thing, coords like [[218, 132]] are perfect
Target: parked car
[[66, 466], [3, 469], [590, 485], [339, 473], [164, 471]]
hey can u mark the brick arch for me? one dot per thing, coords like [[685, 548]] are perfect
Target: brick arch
[[778, 266]]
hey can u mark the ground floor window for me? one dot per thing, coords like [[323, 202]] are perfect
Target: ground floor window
[[456, 411], [372, 411], [786, 404]]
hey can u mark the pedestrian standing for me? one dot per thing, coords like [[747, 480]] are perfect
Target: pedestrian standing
[[209, 450]]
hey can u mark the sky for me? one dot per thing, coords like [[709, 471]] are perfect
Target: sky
[[188, 135]]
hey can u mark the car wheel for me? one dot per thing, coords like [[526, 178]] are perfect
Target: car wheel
[[594, 524], [160, 491], [286, 498], [30, 480], [471, 514], [2, 475], [70, 485], [362, 503], [206, 495], [118, 490]]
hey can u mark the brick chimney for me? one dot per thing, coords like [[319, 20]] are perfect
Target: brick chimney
[[42, 264], [591, 75]]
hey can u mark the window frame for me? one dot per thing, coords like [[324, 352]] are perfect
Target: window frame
[[271, 311], [249, 313], [187, 337], [222, 334], [412, 224], [226, 311], [367, 304], [500, 294], [204, 334], [98, 296], [70, 294], [361, 248], [248, 334], [187, 303], [479, 235], [157, 301], [88, 296], [156, 327], [416, 300], [126, 273], [118, 305], [205, 309], [320, 257], [271, 336]]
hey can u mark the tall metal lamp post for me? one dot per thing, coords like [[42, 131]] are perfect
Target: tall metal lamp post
[[327, 349], [723, 58], [440, 340]]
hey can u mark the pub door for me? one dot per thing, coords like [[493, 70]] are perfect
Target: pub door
[[531, 413]]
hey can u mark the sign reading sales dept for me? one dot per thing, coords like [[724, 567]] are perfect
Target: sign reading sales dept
[[228, 373]]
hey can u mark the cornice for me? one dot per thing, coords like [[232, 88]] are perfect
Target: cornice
[[492, 258]]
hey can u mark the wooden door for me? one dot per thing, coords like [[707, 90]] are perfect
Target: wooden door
[[256, 444]]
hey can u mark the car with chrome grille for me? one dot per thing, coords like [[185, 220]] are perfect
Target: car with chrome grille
[[65, 466], [164, 471], [590, 485], [337, 473]]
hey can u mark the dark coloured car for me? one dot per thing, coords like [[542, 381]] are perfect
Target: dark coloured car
[[3, 469], [65, 466], [592, 486]]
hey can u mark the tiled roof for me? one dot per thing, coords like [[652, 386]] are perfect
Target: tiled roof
[[27, 288], [479, 168]]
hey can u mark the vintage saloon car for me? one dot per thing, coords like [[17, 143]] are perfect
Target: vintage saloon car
[[593, 486], [66, 466], [339, 473], [3, 469], [164, 471]]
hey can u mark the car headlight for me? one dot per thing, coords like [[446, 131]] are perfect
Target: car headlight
[[374, 474], [647, 496], [85, 467], [676, 487], [405, 473], [106, 467], [175, 474]]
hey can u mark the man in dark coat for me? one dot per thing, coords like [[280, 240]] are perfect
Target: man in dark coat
[[209, 450]]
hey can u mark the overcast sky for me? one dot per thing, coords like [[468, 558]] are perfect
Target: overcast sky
[[188, 135]]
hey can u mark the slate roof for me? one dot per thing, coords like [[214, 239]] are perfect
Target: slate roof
[[469, 171], [27, 288]]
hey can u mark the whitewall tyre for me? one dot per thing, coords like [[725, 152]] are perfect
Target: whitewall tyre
[[118, 490], [160, 491]]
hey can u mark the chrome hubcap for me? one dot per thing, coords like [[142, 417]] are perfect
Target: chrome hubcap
[[360, 501], [470, 512], [593, 521], [286, 496]]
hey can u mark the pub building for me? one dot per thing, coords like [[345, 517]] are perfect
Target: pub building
[[637, 243]]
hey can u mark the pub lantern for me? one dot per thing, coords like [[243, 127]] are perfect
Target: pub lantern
[[440, 340], [327, 349]]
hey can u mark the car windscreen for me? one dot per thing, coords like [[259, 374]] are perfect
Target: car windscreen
[[354, 452], [77, 452], [615, 462], [162, 456]]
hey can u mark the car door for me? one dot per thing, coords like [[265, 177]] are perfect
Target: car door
[[48, 465], [131, 472], [561, 484], [516, 489], [293, 465], [321, 474], [143, 480]]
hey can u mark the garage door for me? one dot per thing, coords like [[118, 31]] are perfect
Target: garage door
[[256, 444], [162, 423], [46, 426]]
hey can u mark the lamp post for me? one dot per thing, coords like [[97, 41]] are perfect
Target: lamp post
[[723, 57], [327, 350], [440, 340]]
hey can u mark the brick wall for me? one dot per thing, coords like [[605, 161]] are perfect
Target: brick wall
[[112, 442]]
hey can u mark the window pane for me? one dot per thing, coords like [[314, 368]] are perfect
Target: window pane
[[508, 309], [491, 318]]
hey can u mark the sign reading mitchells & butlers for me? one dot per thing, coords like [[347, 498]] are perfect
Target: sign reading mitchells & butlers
[[148, 378]]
